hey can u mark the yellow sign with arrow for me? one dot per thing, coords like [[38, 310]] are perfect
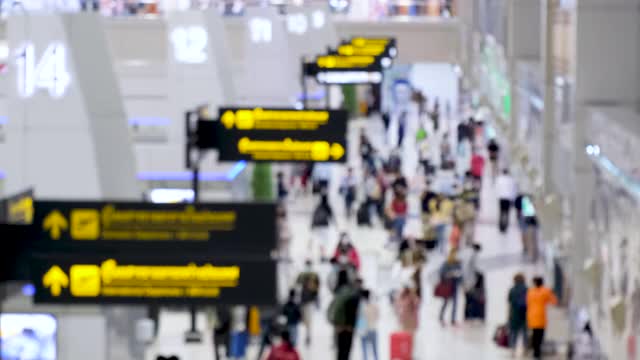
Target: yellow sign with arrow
[[55, 223], [290, 149], [111, 279], [55, 279], [273, 119], [360, 41], [344, 62], [368, 50]]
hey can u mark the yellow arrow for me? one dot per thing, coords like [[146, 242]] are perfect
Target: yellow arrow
[[55, 223], [55, 279], [337, 151], [228, 119]]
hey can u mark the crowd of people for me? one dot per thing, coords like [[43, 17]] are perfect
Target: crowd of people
[[376, 194]]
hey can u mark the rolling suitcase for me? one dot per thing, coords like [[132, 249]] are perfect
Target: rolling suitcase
[[401, 346]]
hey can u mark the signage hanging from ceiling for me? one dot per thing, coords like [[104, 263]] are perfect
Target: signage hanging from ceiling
[[138, 279], [156, 228], [287, 135], [358, 61]]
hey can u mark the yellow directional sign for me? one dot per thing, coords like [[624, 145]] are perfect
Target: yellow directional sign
[[369, 50], [290, 149], [273, 119], [171, 278], [360, 41], [55, 279], [55, 223], [344, 62], [282, 134], [110, 279]]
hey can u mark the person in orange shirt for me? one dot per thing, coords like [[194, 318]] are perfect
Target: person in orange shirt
[[538, 297]]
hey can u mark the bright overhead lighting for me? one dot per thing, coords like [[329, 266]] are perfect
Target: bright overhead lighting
[[350, 77], [171, 196]]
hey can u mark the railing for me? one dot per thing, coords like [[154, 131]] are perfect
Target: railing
[[354, 9]]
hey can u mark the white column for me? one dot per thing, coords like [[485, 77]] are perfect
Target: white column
[[607, 69], [522, 44], [548, 116], [268, 78], [69, 136]]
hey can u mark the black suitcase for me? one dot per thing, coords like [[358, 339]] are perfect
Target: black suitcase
[[363, 216]]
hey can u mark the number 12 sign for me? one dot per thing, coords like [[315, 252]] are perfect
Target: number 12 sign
[[50, 73]]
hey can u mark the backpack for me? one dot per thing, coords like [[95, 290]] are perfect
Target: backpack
[[337, 311], [520, 298], [310, 284], [320, 217]]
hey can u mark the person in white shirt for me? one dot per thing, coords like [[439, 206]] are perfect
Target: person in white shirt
[[507, 192]]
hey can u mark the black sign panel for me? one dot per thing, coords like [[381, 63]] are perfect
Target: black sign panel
[[16, 244], [287, 135], [116, 227], [175, 279]]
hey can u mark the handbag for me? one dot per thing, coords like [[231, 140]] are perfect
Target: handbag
[[444, 289], [501, 336]]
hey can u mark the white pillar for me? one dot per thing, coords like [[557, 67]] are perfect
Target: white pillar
[[268, 78], [68, 136], [607, 69], [549, 114]]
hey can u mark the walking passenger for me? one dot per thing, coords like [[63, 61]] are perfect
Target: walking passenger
[[518, 313], [367, 325], [538, 298], [507, 191], [450, 274]]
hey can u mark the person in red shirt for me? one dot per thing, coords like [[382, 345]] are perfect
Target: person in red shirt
[[477, 165], [399, 209], [346, 248], [284, 350]]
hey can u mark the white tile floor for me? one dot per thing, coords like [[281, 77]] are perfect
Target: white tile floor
[[500, 260]]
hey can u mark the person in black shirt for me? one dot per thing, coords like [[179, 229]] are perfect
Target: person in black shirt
[[366, 150], [400, 184], [494, 154], [291, 310], [282, 188]]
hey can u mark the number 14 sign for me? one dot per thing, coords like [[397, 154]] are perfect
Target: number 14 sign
[[50, 73]]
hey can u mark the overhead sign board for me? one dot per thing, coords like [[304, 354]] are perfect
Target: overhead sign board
[[258, 118], [345, 62], [369, 46], [179, 279], [287, 135], [17, 243], [232, 228], [358, 61]]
